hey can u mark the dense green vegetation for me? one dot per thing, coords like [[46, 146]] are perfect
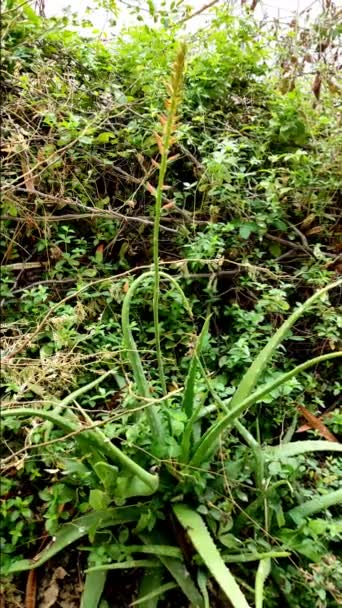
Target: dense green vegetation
[[170, 298]]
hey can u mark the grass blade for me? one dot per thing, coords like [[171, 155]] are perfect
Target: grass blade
[[70, 532], [152, 579], [205, 546], [157, 592]]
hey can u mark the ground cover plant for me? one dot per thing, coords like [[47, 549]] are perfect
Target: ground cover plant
[[171, 311]]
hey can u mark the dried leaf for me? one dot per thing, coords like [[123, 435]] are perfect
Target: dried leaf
[[50, 595], [173, 158], [316, 424], [151, 189], [314, 230], [159, 143], [27, 175], [316, 86], [308, 221]]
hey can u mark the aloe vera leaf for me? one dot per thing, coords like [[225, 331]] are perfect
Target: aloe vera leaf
[[152, 579], [252, 375], [130, 563], [157, 592], [205, 546], [72, 531], [263, 572], [209, 440], [132, 350], [288, 450], [320, 503], [96, 438], [189, 390], [93, 589], [176, 568]]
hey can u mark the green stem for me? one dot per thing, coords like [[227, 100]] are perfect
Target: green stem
[[209, 441], [96, 438]]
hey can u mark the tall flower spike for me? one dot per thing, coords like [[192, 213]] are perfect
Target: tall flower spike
[[165, 141]]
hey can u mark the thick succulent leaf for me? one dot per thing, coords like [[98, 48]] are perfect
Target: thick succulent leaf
[[176, 568], [152, 579], [155, 593], [130, 563], [208, 443], [317, 504], [287, 450], [93, 589], [263, 571], [204, 544]]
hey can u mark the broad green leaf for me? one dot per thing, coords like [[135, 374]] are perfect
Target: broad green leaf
[[70, 532], [104, 137], [98, 500], [203, 543], [107, 473]]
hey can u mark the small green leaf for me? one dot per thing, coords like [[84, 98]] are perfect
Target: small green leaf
[[98, 500], [108, 474], [104, 137]]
